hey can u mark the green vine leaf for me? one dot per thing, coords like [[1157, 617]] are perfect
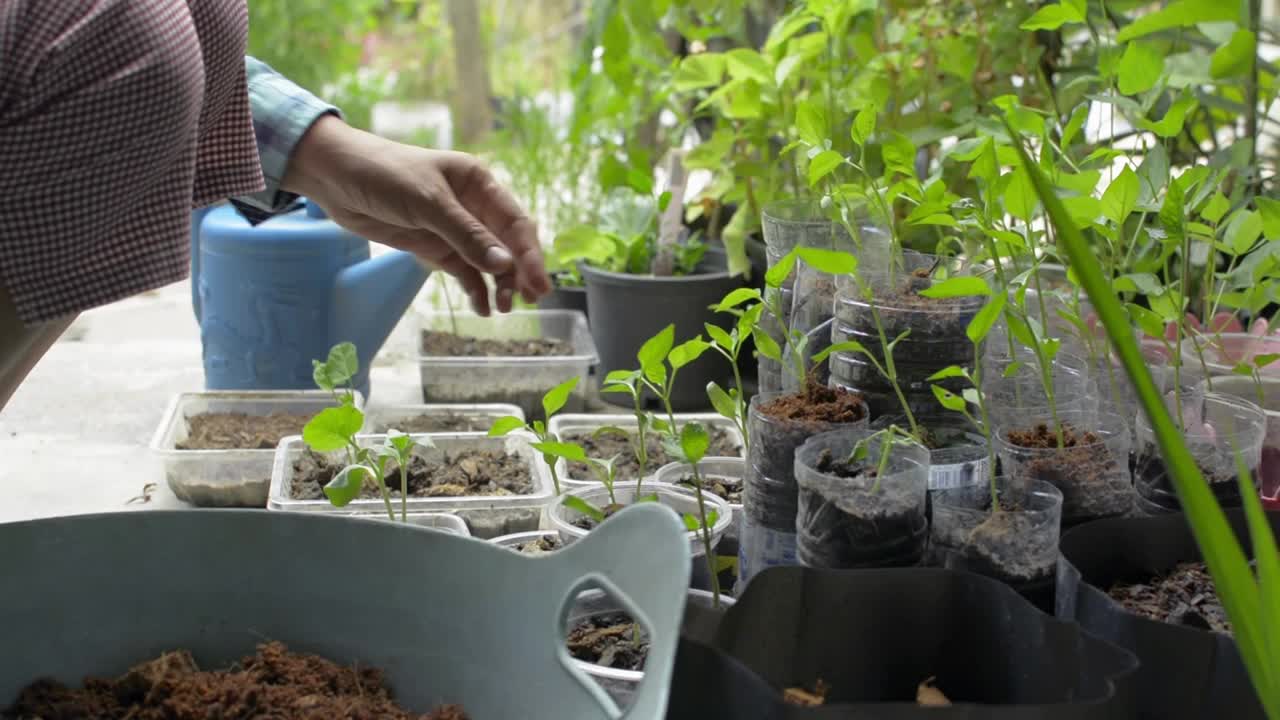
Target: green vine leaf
[[332, 428]]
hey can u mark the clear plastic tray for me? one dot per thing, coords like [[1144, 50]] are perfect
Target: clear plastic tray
[[380, 418], [518, 380], [435, 521], [565, 425], [487, 516], [225, 478]]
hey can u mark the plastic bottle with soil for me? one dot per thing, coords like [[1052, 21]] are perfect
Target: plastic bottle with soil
[[958, 453], [852, 515], [777, 424]]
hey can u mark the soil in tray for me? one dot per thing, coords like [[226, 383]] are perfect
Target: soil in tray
[[728, 488], [469, 472], [1094, 484], [274, 683], [240, 431], [610, 640], [540, 546], [607, 445], [438, 423], [1185, 596], [446, 344]]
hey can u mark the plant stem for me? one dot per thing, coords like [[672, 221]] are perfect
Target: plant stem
[[706, 537], [404, 489], [448, 302]]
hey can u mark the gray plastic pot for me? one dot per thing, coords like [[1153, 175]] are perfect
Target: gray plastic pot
[[626, 310], [448, 619]]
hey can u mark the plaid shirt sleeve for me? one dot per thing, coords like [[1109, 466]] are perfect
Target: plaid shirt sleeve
[[282, 114]]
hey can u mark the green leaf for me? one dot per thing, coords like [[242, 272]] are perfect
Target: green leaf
[[736, 297], [338, 369], [899, 153], [951, 371], [654, 351], [747, 64], [1052, 17], [557, 396], [1148, 322], [569, 451], [1236, 57], [1121, 196], [1218, 206], [1270, 211], [1075, 124], [687, 352], [332, 428], [346, 485], [1173, 120], [1144, 283], [1243, 230], [720, 337], [699, 71], [985, 318], [959, 286], [948, 399], [864, 124], [1140, 68], [1019, 196], [1265, 359], [504, 425], [848, 346], [822, 164], [721, 401], [1183, 13], [831, 262], [778, 273], [811, 121], [573, 502], [694, 441]]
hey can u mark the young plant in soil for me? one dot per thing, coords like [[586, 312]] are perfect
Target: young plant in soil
[[732, 403], [335, 428], [552, 402]]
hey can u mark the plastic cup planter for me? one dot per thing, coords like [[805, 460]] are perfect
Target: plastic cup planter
[[1269, 468], [853, 517], [726, 471], [960, 457], [521, 380], [1092, 470], [236, 477], [684, 502], [570, 427], [486, 516], [440, 418], [1217, 426]]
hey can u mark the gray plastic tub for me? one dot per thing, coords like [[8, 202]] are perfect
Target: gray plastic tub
[[521, 381], [486, 515], [225, 478], [479, 417], [447, 619], [565, 425]]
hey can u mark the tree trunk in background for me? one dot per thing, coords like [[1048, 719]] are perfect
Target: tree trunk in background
[[472, 108]]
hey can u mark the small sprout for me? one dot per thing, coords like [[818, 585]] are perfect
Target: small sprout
[[552, 402]]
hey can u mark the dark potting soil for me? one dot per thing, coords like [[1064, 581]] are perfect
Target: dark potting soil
[[544, 544], [827, 463], [438, 423], [606, 445], [610, 640], [273, 683], [728, 488], [446, 344], [1093, 482], [817, 404], [240, 431], [1185, 596], [469, 472], [1217, 467], [1006, 545], [588, 523]]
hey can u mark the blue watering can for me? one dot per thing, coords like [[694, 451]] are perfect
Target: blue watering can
[[271, 298]]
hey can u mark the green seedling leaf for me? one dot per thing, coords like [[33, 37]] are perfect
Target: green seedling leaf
[[960, 286], [766, 346], [1052, 17], [332, 428], [693, 524], [1019, 196], [776, 275], [338, 369], [557, 396], [1236, 57], [647, 497], [1243, 230], [694, 441], [687, 352], [653, 352], [1140, 68], [504, 425], [721, 338], [401, 444], [1182, 13], [737, 297], [980, 326], [347, 484], [822, 165], [970, 396], [1121, 196], [864, 124], [954, 371], [1012, 369], [573, 502], [1265, 359], [1216, 208], [611, 430], [721, 401], [1270, 211], [1172, 122], [569, 451], [848, 346], [811, 121], [948, 399], [831, 262]]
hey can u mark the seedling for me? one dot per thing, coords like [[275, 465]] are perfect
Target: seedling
[[552, 402], [694, 442], [887, 438], [732, 403], [335, 428]]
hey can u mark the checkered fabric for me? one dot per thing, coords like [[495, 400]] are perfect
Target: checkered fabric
[[116, 118]]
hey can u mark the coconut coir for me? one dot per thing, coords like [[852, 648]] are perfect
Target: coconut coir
[[817, 404]]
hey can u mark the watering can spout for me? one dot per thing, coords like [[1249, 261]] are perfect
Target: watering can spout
[[370, 297]]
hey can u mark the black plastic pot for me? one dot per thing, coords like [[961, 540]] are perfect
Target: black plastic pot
[[626, 310], [873, 635], [1186, 672], [565, 297]]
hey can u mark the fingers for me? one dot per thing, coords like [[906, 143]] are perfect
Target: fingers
[[499, 212], [468, 237], [473, 283]]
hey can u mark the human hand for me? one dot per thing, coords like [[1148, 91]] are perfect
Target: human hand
[[444, 207]]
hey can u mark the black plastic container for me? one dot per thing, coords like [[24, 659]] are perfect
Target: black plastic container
[[873, 635], [1186, 672]]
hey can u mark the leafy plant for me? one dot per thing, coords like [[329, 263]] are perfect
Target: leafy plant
[[732, 403], [694, 441], [552, 402], [886, 439], [335, 428]]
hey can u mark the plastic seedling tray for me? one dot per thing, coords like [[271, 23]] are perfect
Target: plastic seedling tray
[[518, 380], [444, 522], [225, 478], [567, 425], [477, 417], [486, 516]]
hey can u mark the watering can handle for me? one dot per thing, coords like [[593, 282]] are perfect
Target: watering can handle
[[641, 557]]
